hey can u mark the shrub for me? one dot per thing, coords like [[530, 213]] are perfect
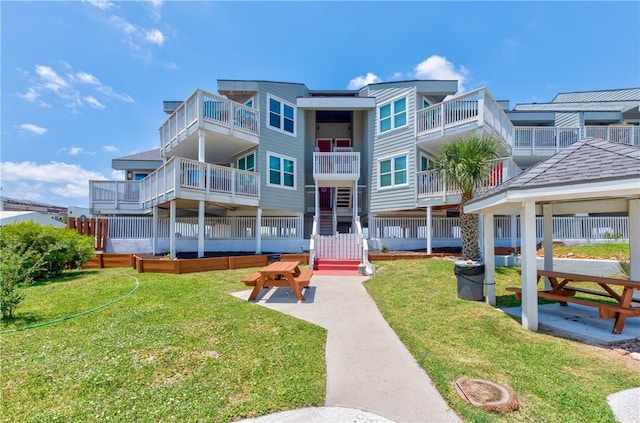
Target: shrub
[[30, 252]]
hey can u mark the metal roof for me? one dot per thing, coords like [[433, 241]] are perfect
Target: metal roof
[[629, 94]]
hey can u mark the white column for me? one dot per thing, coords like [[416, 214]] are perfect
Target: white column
[[200, 228], [317, 197], [429, 235], [547, 225], [513, 222], [201, 146], [489, 260], [154, 231], [634, 242], [529, 271], [172, 228], [355, 202], [258, 230]]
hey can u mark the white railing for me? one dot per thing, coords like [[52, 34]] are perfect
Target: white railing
[[432, 184], [565, 228], [338, 246], [624, 134], [312, 242], [544, 138], [115, 192], [475, 108], [336, 165], [201, 107], [370, 269], [215, 228]]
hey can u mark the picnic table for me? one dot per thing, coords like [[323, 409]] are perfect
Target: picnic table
[[564, 287], [279, 273]]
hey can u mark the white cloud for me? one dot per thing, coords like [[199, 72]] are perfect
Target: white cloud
[[360, 81], [439, 68], [34, 129], [110, 148], [36, 181], [100, 4], [93, 102], [50, 79], [70, 88], [154, 36]]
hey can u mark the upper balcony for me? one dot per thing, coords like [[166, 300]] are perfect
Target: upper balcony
[[229, 127], [473, 113], [336, 168], [533, 143], [177, 179], [432, 189]]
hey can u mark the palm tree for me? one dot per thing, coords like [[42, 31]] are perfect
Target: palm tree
[[467, 163]]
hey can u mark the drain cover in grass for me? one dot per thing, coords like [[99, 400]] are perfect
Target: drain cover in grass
[[488, 395]]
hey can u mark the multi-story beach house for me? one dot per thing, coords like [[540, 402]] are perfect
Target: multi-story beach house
[[276, 167]]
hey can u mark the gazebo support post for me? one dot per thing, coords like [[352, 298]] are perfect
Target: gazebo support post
[[547, 225], [634, 241], [529, 271], [489, 260]]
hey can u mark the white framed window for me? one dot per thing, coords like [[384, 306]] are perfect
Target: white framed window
[[282, 115], [282, 171], [425, 102], [424, 162], [247, 162], [249, 103], [392, 115], [392, 172]]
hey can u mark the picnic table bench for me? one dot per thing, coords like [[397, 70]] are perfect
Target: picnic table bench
[[564, 287], [279, 273]]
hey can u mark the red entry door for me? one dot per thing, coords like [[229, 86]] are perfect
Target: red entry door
[[324, 146]]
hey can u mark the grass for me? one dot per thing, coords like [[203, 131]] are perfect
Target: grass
[[608, 251], [557, 380], [180, 348]]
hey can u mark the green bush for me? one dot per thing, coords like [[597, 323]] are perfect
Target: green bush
[[30, 253]]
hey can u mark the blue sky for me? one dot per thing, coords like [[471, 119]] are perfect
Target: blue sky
[[83, 81]]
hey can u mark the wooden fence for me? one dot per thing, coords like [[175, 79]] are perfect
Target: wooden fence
[[96, 227]]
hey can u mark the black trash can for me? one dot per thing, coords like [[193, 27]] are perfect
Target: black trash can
[[273, 257], [470, 278]]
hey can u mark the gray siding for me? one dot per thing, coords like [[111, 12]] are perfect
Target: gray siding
[[567, 120], [273, 198], [390, 144]]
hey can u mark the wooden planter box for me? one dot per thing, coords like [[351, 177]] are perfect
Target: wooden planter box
[[302, 258], [103, 261], [241, 262], [179, 266]]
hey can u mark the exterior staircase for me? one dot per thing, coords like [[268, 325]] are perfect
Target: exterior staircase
[[343, 198], [336, 264], [325, 226]]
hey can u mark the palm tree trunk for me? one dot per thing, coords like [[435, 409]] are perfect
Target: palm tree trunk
[[469, 233]]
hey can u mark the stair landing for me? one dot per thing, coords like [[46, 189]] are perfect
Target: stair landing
[[336, 267]]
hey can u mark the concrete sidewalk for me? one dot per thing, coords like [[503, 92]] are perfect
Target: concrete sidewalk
[[368, 368]]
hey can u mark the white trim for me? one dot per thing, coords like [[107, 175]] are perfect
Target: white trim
[[244, 156], [429, 102], [422, 154], [295, 171], [392, 158], [391, 103], [251, 100], [282, 103]]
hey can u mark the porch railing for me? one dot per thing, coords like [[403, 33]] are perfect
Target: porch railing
[[202, 106], [624, 134], [342, 165], [475, 108], [432, 184]]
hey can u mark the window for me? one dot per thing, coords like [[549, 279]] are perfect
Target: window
[[282, 171], [424, 163], [247, 162], [139, 176], [282, 116], [393, 115], [249, 103], [393, 171], [425, 103]]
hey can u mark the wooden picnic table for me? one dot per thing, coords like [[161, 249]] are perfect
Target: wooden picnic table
[[564, 287], [279, 273]]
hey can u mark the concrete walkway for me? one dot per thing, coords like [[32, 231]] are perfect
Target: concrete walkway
[[368, 368]]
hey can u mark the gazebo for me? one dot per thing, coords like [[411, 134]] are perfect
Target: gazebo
[[590, 176]]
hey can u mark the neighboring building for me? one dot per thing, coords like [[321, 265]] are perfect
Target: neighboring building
[[274, 166], [8, 217]]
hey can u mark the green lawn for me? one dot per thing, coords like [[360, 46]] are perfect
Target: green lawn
[[557, 380], [180, 348]]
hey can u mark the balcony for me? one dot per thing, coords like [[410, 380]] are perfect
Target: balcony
[[334, 169], [178, 179], [460, 117], [432, 189], [229, 126], [533, 143]]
